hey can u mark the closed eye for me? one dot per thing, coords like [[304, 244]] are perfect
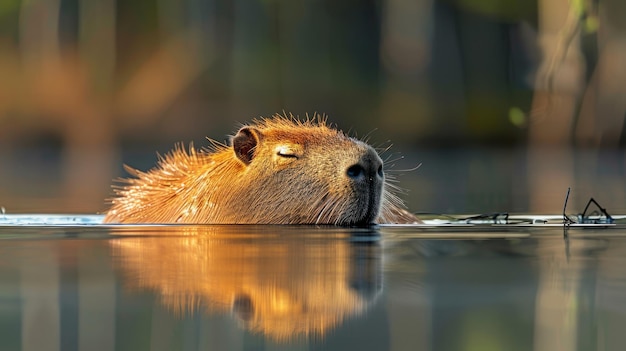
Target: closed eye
[[288, 151], [286, 154]]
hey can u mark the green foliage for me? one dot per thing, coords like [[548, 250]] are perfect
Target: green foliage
[[9, 7], [584, 11], [517, 117]]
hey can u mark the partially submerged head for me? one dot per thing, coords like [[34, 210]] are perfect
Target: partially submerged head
[[307, 172], [277, 170]]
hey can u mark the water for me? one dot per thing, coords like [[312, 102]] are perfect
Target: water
[[71, 284]]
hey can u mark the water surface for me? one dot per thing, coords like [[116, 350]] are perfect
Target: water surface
[[89, 287]]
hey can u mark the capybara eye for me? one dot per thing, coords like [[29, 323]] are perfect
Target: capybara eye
[[286, 152]]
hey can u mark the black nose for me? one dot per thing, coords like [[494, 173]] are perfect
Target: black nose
[[367, 169], [367, 178], [243, 307]]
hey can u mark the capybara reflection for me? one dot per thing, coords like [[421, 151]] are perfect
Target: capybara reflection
[[281, 287]]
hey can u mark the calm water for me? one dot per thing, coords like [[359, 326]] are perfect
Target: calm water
[[82, 287]]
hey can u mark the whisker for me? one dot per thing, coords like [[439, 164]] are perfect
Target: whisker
[[394, 189], [383, 147], [405, 170], [393, 199], [383, 150], [351, 131], [391, 182], [392, 185], [337, 209], [397, 156], [366, 137], [324, 207]]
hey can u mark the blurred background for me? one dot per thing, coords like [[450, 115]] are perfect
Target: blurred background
[[504, 103]]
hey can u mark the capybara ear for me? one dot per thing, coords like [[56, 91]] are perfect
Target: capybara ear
[[245, 142]]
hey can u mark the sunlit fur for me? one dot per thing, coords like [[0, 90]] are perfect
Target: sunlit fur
[[307, 186]]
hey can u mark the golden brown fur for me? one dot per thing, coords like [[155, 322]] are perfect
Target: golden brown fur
[[276, 171]]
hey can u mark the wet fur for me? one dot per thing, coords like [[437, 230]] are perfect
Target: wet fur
[[217, 186]]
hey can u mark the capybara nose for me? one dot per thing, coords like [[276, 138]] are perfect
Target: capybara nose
[[243, 307], [369, 168]]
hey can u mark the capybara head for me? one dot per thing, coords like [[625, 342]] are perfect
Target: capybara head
[[306, 173], [274, 171]]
